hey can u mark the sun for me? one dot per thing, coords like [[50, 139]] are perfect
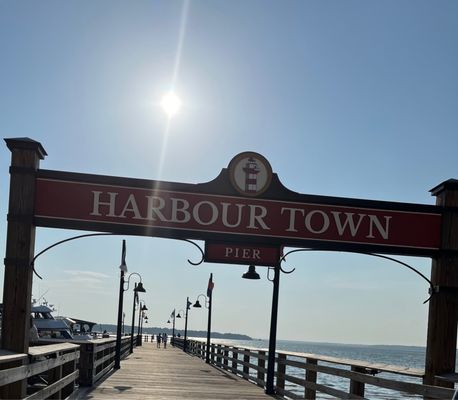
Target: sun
[[171, 104]]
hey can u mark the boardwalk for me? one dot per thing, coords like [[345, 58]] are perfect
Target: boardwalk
[[152, 373]]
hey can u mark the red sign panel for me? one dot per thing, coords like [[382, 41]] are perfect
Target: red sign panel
[[242, 254], [197, 215]]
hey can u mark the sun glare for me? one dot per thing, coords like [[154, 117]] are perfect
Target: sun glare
[[171, 104]]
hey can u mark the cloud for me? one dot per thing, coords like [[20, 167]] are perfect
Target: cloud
[[82, 280]]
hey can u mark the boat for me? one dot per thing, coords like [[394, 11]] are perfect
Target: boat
[[65, 328], [49, 327], [60, 327]]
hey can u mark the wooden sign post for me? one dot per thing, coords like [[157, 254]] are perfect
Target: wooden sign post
[[443, 306], [17, 286]]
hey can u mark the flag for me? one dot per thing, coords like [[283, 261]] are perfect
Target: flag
[[211, 285], [123, 256]]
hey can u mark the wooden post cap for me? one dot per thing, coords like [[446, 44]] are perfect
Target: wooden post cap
[[26, 143], [450, 184]]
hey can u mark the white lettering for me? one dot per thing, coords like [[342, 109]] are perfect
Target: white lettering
[[224, 216], [183, 210], [384, 232], [348, 222], [155, 204], [131, 205], [213, 209], [97, 203], [257, 217], [292, 217], [325, 222]]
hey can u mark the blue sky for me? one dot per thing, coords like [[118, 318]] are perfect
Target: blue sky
[[351, 99]]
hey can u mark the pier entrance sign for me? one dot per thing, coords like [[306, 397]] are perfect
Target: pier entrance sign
[[244, 215], [245, 203]]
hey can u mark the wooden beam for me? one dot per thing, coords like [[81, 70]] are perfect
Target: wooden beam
[[20, 242], [443, 306]]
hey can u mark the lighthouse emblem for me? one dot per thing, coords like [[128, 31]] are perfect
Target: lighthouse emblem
[[250, 173]]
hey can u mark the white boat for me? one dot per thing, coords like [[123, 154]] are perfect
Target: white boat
[[60, 327], [48, 327]]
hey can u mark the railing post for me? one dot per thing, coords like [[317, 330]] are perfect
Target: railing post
[[218, 354], [234, 359], [87, 358], [67, 369], [281, 371], [310, 377], [357, 388], [225, 360], [261, 368], [55, 375], [246, 368]]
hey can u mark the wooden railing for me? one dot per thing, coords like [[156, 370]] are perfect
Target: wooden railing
[[46, 371], [97, 357], [304, 375]]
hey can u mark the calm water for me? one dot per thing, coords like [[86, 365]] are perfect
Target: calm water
[[406, 356]]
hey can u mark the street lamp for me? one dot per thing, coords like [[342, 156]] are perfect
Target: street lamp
[[144, 318], [208, 305], [172, 315], [142, 309], [188, 305], [252, 274], [123, 268], [137, 288]]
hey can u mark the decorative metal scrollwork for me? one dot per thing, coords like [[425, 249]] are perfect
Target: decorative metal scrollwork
[[431, 289], [201, 252], [32, 264]]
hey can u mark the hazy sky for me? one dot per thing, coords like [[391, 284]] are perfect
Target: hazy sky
[[344, 98]]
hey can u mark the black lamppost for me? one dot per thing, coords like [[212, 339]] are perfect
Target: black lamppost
[[172, 315], [123, 268], [208, 304], [120, 323], [185, 344], [141, 309], [252, 274], [137, 288], [144, 318], [179, 314]]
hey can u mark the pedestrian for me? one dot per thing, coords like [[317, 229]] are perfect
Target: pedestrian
[[164, 339], [33, 332], [158, 338]]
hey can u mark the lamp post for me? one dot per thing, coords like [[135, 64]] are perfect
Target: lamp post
[[185, 344], [208, 305], [252, 274], [141, 311], [123, 268], [144, 318], [137, 288], [179, 314], [142, 308], [172, 315]]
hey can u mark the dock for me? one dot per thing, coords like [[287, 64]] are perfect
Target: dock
[[158, 373]]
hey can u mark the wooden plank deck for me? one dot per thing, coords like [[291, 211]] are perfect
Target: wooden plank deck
[[152, 373]]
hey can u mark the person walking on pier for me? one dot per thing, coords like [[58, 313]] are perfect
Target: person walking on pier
[[158, 338], [164, 339]]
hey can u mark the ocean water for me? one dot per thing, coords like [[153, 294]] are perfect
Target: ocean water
[[405, 356]]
